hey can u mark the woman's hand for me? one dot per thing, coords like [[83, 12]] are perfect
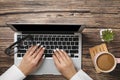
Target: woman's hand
[[32, 59], [64, 64]]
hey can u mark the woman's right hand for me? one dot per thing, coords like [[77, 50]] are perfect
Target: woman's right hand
[[64, 63]]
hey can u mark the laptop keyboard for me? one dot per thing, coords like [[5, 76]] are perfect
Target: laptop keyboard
[[69, 43]]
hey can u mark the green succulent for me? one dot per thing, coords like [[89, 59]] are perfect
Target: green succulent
[[107, 35]]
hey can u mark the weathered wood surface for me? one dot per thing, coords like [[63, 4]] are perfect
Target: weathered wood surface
[[95, 14], [90, 38]]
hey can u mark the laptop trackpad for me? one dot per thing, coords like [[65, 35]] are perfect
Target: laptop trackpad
[[47, 67]]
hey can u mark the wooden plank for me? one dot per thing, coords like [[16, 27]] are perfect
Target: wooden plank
[[98, 10], [90, 20], [103, 3], [95, 6]]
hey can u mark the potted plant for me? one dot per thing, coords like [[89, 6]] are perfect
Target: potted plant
[[107, 35]]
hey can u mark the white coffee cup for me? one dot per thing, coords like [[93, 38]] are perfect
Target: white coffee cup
[[105, 62]]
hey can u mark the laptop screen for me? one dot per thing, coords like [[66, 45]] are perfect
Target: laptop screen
[[46, 27]]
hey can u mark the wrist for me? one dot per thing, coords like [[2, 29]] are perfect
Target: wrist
[[22, 70], [71, 75]]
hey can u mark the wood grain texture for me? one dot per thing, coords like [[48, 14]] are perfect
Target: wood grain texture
[[95, 14]]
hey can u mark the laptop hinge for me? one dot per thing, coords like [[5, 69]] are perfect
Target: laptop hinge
[[46, 32]]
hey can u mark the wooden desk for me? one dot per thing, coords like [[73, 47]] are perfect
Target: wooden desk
[[90, 38], [95, 14]]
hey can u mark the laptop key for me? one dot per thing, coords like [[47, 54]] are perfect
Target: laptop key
[[44, 39], [53, 39], [55, 43], [51, 43], [35, 39], [60, 47], [49, 39], [72, 55], [66, 39], [68, 43], [40, 39], [59, 43], [19, 55], [76, 56], [57, 39], [20, 47], [48, 47], [67, 51], [76, 43], [74, 47], [75, 39], [70, 39], [34, 43], [56, 47], [25, 43], [46, 43], [61, 39], [22, 51], [42, 43], [30, 42], [35, 35], [63, 43], [73, 51], [45, 51], [22, 55], [69, 47], [64, 47], [52, 47], [72, 43], [25, 47], [50, 51], [48, 55]]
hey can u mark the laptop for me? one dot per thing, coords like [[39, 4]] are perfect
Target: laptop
[[63, 36]]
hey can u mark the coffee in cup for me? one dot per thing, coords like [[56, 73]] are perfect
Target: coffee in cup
[[105, 62]]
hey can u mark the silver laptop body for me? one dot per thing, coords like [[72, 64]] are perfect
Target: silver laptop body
[[59, 30]]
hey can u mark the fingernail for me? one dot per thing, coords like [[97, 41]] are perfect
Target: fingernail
[[57, 49], [38, 44], [62, 50], [54, 50], [43, 56], [41, 46]]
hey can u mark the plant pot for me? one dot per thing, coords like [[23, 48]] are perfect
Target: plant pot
[[101, 34]]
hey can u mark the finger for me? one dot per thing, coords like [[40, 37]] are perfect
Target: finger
[[28, 51], [56, 53], [66, 55], [33, 49], [56, 61], [38, 50], [39, 55], [62, 55], [41, 61]]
